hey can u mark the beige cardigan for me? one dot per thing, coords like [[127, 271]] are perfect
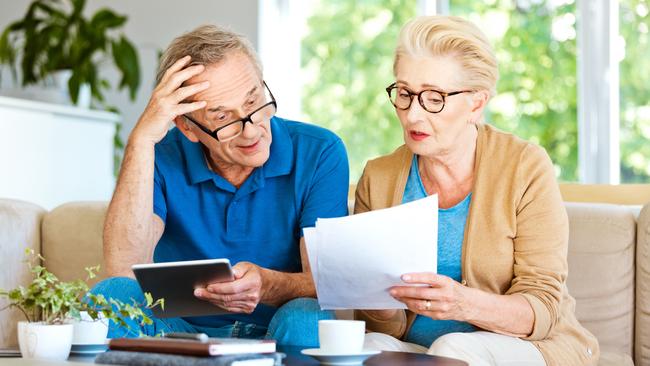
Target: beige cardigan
[[516, 238]]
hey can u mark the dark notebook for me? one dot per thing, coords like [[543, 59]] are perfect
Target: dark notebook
[[162, 359], [213, 347]]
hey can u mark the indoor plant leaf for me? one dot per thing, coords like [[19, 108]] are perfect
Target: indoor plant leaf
[[126, 59], [52, 37], [105, 19]]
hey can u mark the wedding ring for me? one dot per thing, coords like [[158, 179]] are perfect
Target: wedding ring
[[427, 305]]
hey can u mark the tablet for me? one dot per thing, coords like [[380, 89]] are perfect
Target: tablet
[[175, 282]]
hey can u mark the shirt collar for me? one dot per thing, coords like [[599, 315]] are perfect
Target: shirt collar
[[281, 156], [197, 166]]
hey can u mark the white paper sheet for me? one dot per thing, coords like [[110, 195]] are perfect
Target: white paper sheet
[[356, 259]]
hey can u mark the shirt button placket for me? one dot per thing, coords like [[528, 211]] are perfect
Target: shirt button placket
[[236, 215], [232, 217]]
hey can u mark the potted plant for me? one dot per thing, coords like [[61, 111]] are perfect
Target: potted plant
[[54, 37], [51, 306]]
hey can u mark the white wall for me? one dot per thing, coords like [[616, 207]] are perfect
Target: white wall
[[151, 26]]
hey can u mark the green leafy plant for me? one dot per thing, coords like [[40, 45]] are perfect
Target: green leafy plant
[[54, 35], [55, 302]]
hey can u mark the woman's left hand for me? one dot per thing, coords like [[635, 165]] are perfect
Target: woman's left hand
[[441, 298]]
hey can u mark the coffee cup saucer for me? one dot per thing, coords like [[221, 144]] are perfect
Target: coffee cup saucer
[[88, 349], [329, 358]]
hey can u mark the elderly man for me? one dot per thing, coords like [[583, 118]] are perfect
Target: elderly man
[[231, 180]]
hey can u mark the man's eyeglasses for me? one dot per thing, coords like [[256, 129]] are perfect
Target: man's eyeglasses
[[433, 101], [235, 128]]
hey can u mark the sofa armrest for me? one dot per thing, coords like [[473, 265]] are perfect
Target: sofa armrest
[[642, 318], [20, 229]]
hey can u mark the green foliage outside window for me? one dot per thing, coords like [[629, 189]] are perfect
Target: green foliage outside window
[[348, 52], [536, 93], [635, 91], [537, 90], [348, 57]]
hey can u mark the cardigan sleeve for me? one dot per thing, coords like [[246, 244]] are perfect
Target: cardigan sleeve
[[362, 194], [395, 326], [541, 241]]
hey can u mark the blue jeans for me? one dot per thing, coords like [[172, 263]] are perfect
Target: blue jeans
[[294, 324]]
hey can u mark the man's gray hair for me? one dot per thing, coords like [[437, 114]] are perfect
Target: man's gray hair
[[207, 45]]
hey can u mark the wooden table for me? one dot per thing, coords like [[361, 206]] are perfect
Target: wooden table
[[295, 358], [292, 359]]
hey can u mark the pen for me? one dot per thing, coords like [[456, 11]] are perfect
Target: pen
[[201, 337]]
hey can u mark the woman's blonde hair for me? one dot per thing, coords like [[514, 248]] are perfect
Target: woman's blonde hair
[[207, 45], [451, 36]]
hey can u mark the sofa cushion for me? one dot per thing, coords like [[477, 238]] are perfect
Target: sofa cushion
[[614, 359], [72, 239], [642, 325], [20, 224], [601, 272]]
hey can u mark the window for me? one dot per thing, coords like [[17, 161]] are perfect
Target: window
[[635, 91], [573, 75], [347, 62], [535, 44]]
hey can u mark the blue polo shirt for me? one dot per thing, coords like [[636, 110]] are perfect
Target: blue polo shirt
[[305, 177]]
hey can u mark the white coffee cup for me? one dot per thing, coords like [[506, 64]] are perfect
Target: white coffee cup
[[342, 337]]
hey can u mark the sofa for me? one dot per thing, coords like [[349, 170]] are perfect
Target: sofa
[[609, 265]]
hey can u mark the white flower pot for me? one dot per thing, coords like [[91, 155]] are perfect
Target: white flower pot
[[54, 89], [61, 79], [89, 331], [44, 342]]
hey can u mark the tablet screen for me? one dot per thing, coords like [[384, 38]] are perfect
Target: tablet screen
[[175, 282]]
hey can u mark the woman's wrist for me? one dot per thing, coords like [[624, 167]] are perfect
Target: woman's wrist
[[471, 303]]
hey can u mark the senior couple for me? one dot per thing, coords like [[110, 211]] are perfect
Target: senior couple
[[234, 180]]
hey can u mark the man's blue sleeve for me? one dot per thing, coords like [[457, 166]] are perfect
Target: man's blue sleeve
[[159, 202], [328, 194]]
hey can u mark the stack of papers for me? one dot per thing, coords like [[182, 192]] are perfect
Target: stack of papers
[[356, 259]]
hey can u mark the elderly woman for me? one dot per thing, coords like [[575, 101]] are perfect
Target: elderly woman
[[500, 294]]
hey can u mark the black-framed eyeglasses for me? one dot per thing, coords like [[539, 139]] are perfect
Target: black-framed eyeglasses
[[235, 128], [433, 101]]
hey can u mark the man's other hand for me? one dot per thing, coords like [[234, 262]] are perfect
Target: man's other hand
[[240, 295]]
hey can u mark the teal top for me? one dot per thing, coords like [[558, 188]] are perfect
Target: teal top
[[451, 230]]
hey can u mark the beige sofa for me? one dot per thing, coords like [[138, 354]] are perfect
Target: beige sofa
[[609, 265]]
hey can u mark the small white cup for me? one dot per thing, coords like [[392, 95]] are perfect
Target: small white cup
[[341, 337]]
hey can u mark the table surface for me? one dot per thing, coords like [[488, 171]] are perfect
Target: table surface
[[383, 359], [294, 358]]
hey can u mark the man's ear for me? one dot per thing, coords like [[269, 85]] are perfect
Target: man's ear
[[184, 126]]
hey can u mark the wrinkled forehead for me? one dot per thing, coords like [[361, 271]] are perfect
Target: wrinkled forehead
[[231, 81]]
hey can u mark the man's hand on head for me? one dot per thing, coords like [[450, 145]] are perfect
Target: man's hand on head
[[168, 101], [240, 295]]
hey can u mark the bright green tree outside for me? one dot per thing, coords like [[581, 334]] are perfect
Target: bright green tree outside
[[348, 58], [634, 25], [348, 53], [536, 99]]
